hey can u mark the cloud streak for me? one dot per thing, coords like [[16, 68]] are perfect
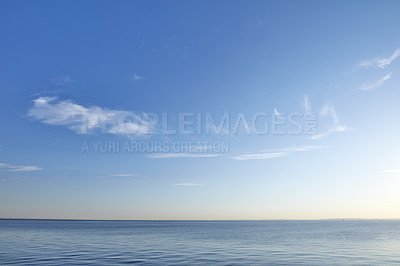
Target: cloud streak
[[390, 171], [276, 113], [136, 77], [306, 104], [275, 154], [87, 120], [329, 111], [258, 156], [15, 168], [376, 84], [123, 175], [186, 184], [381, 63], [180, 155]]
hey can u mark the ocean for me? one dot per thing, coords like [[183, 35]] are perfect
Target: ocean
[[77, 242]]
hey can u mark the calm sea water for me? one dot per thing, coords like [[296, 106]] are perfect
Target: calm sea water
[[182, 242]]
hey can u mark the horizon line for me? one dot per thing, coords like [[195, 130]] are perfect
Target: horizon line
[[199, 220]]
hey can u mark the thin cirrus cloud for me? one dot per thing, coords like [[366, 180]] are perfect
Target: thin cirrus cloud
[[186, 184], [15, 168], [136, 77], [275, 154], [123, 175], [376, 84], [257, 156], [328, 110], [87, 120], [306, 104], [303, 148], [277, 113], [180, 155], [390, 171], [249, 156], [380, 62]]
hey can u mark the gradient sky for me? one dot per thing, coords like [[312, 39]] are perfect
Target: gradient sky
[[61, 60]]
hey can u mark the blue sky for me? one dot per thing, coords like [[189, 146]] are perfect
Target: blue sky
[[71, 71]]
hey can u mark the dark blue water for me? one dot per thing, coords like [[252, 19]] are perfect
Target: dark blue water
[[174, 242]]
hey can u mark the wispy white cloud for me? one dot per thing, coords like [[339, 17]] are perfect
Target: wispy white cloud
[[390, 171], [136, 77], [380, 62], [328, 110], [123, 175], [15, 168], [303, 148], [276, 113], [84, 120], [186, 184], [376, 84], [321, 135], [331, 131], [268, 154], [275, 153], [255, 156], [25, 168], [306, 104], [180, 155]]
